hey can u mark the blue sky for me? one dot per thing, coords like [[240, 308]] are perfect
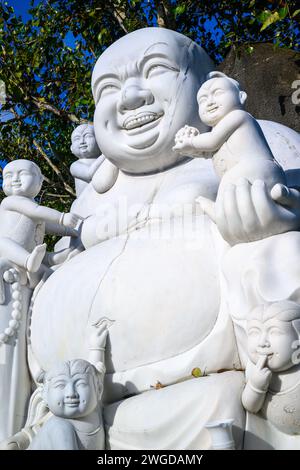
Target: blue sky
[[21, 7]]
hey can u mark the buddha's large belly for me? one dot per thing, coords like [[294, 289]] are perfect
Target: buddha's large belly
[[162, 295]]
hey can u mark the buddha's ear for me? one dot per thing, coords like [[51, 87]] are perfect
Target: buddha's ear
[[243, 97]]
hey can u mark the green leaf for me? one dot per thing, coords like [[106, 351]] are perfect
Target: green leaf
[[263, 15], [179, 9], [230, 35], [295, 13], [272, 18], [282, 12]]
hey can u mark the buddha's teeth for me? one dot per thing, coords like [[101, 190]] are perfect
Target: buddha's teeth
[[136, 122]]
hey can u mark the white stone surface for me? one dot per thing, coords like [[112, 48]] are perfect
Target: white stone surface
[[155, 268]]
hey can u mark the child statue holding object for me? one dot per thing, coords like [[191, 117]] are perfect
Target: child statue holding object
[[24, 221], [236, 140], [273, 372], [85, 148], [72, 391], [91, 165]]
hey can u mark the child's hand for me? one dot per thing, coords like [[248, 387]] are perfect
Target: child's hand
[[70, 220], [183, 140], [98, 337], [261, 375]]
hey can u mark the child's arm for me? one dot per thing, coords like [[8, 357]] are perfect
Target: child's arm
[[38, 213], [85, 172], [254, 393], [97, 342], [213, 140], [53, 228]]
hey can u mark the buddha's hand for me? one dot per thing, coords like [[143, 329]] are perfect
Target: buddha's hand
[[183, 140], [247, 212], [260, 375]]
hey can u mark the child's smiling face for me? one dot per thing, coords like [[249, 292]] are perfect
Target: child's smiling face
[[216, 98]]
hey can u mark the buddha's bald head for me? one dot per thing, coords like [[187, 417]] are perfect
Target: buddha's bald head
[[145, 88]]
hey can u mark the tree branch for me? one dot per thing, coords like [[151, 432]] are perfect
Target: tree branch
[[43, 105], [54, 168], [120, 16], [164, 17]]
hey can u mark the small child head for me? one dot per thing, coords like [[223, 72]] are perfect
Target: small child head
[[72, 389], [272, 331], [22, 178], [218, 96], [84, 143]]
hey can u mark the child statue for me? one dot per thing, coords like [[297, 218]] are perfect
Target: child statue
[[24, 221], [236, 140], [72, 391], [90, 159], [273, 372]]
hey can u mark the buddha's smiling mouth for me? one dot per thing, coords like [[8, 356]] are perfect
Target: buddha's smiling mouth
[[141, 120]]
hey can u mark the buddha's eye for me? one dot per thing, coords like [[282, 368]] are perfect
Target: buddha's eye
[[253, 332], [106, 89], [157, 69]]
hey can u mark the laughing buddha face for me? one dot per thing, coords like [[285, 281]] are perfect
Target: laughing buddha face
[[145, 87]]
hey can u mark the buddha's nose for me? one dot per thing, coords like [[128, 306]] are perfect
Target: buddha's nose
[[133, 96]]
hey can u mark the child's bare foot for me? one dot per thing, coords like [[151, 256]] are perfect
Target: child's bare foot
[[35, 259]]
